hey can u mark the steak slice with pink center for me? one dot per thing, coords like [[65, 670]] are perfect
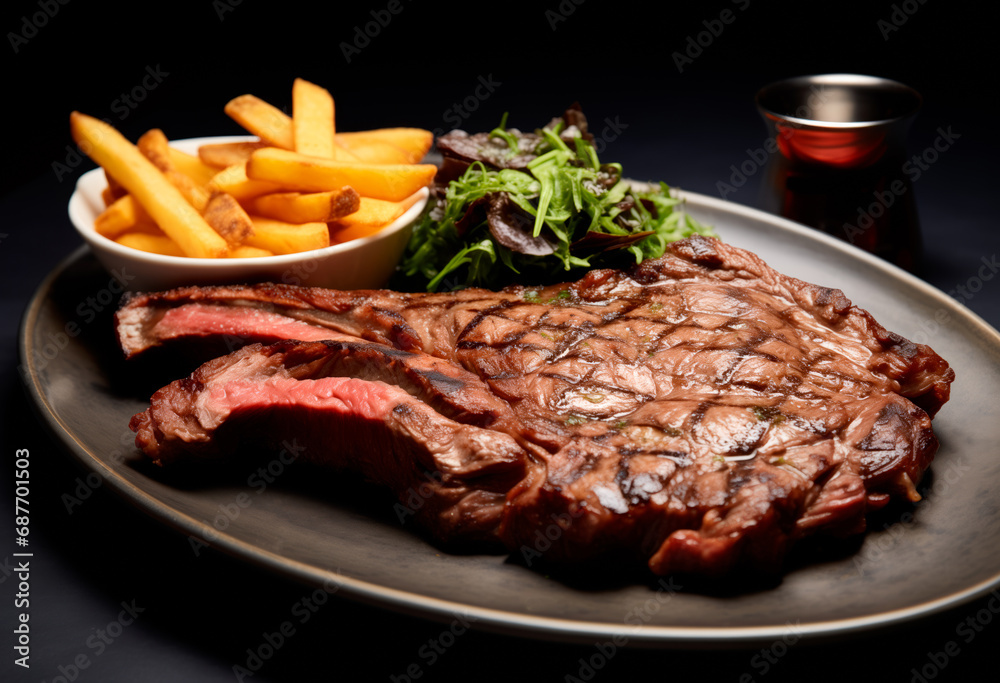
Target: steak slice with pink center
[[264, 395]]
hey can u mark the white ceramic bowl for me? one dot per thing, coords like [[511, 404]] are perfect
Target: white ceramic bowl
[[359, 264]]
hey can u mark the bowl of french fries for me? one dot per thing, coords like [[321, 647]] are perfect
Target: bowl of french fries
[[293, 201]]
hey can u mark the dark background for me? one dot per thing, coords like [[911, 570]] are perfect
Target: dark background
[[684, 126]]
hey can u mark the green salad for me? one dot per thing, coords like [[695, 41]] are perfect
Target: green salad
[[536, 207]]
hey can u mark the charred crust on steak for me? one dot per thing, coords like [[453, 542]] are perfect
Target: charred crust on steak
[[700, 250], [697, 413]]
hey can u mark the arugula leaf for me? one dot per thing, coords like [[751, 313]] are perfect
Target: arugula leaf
[[564, 191]]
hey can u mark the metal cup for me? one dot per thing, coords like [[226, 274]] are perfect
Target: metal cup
[[840, 154]]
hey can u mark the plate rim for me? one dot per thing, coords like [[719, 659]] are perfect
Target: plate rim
[[495, 620]]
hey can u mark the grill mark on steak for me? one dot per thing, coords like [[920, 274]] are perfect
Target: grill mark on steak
[[440, 384], [400, 334], [491, 311], [680, 458], [699, 412]]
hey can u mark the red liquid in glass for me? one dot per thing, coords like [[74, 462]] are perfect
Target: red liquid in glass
[[846, 178]]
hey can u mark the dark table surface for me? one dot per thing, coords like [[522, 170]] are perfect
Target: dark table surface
[[686, 120]]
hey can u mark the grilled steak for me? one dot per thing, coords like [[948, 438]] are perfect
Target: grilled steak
[[411, 422], [700, 412]]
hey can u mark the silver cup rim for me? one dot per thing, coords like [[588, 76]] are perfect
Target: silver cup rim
[[842, 80]]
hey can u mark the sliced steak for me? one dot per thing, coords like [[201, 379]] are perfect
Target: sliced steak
[[700, 412], [418, 425]]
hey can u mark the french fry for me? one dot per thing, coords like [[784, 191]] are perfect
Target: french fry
[[245, 251], [115, 189], [164, 202], [416, 141], [263, 120], [371, 216], [191, 166], [309, 207], [225, 154], [154, 244], [149, 228], [234, 182], [120, 216], [228, 218], [312, 119], [280, 237], [314, 122], [154, 146], [375, 151], [392, 182], [341, 153]]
